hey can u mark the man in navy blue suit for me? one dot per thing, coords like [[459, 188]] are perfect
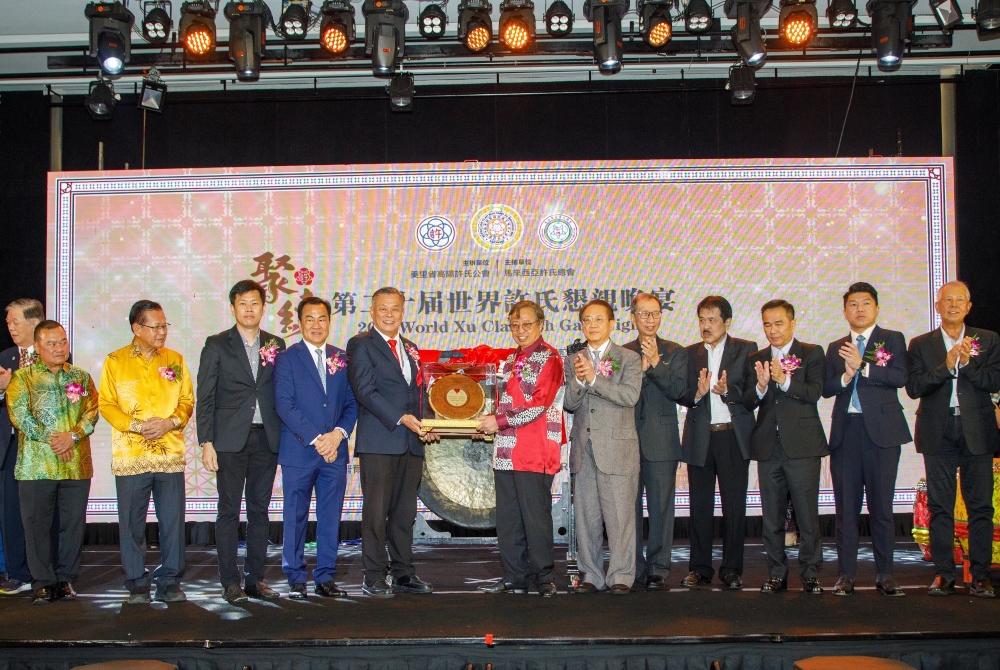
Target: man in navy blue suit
[[318, 412], [864, 372]]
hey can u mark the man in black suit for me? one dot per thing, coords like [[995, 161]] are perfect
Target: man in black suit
[[383, 369], [785, 381], [864, 371], [664, 380], [953, 370], [716, 443], [239, 432]]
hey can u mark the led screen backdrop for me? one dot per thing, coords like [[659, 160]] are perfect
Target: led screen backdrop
[[464, 241]]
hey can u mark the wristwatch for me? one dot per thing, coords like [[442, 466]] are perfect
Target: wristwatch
[[863, 364], [75, 435]]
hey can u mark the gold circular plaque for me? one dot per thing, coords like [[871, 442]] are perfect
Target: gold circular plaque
[[456, 396]]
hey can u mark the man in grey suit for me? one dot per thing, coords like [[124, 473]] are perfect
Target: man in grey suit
[[664, 379], [603, 383]]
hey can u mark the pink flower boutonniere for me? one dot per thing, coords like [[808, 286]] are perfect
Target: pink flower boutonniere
[[74, 392], [412, 352], [880, 356], [974, 344], [31, 358], [790, 364], [607, 366], [335, 364], [269, 352], [172, 372]]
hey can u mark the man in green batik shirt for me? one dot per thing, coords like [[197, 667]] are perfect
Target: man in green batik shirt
[[54, 406]]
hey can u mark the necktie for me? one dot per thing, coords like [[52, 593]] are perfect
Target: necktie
[[321, 368], [395, 352], [24, 358], [855, 401]]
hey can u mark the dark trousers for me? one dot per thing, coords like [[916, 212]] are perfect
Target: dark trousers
[[524, 526], [167, 489], [725, 463], [389, 485], [861, 468], [39, 501], [977, 492], [658, 478], [11, 526], [780, 476], [252, 468]]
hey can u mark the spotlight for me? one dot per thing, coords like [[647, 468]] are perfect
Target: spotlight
[[385, 33], [293, 24], [197, 27], [698, 16], [101, 99], [606, 15], [475, 27], [153, 93], [559, 19], [400, 90], [432, 22], [247, 32], [891, 22], [987, 14], [797, 21], [746, 33], [517, 24], [110, 35], [842, 14], [947, 13], [655, 22], [336, 29], [156, 22], [741, 83]]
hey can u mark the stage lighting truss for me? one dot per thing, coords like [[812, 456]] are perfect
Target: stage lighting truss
[[475, 27], [747, 36], [517, 24], [987, 15], [433, 21], [196, 29], [606, 15], [892, 21], [153, 93], [842, 15], [336, 28], [385, 34], [558, 19], [400, 90], [156, 21], [247, 32], [655, 22], [947, 13], [698, 17], [101, 99], [797, 21], [742, 84], [110, 35]]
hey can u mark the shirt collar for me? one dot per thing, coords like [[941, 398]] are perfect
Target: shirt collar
[[951, 342], [867, 334], [30, 349], [600, 350], [386, 337], [719, 346], [787, 349], [137, 352], [255, 343], [533, 347]]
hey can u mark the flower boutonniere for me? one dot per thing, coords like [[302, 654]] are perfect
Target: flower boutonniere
[[412, 352], [607, 366], [974, 344], [269, 352], [335, 364], [172, 372], [790, 364], [74, 392], [880, 356], [31, 358]]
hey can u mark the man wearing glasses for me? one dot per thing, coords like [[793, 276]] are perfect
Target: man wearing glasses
[[146, 395], [664, 380]]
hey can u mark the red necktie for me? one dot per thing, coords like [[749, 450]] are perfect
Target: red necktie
[[24, 358], [392, 345]]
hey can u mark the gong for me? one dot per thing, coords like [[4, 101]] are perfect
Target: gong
[[456, 396], [458, 482]]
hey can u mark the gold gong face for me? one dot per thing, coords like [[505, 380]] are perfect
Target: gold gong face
[[456, 396]]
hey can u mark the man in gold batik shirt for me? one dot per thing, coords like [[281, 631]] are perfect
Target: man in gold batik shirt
[[146, 395]]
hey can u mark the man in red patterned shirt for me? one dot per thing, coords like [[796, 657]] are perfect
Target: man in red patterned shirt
[[528, 428]]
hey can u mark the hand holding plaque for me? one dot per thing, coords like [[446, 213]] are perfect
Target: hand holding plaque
[[457, 397]]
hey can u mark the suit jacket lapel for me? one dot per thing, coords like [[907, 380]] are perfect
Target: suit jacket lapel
[[240, 351], [940, 349], [306, 352], [383, 347]]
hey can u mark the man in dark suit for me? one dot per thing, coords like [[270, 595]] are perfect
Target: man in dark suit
[[22, 317], [239, 432], [384, 371], [664, 380], [953, 370], [784, 382], [864, 371], [716, 443], [318, 413]]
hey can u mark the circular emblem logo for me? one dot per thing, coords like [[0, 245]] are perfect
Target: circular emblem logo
[[558, 231], [435, 233], [496, 227]]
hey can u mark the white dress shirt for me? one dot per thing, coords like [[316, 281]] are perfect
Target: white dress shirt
[[948, 344], [788, 378], [720, 411], [844, 381], [599, 353]]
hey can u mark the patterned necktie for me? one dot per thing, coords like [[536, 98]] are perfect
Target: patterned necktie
[[24, 358], [595, 356], [855, 401], [395, 352], [321, 368]]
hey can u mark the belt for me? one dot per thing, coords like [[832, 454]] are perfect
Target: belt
[[955, 411], [256, 426], [720, 426]]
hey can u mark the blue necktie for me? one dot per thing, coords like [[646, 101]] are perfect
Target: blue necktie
[[855, 401], [321, 368]]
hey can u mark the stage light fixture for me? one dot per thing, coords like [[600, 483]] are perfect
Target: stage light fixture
[[606, 15], [247, 32], [336, 28], [110, 35], [101, 99], [947, 13], [698, 16], [742, 83], [797, 21], [987, 15], [475, 27], [153, 93], [746, 33], [385, 33], [842, 15], [891, 23], [296, 16], [156, 21], [655, 22], [432, 22], [517, 24], [558, 19], [400, 90], [197, 27]]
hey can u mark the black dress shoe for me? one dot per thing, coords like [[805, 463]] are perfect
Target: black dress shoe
[[500, 586], [811, 585], [982, 588], [941, 586], [584, 587], [64, 591], [620, 590], [377, 589], [774, 586], [330, 590], [694, 580], [887, 587], [297, 591], [261, 591], [655, 583], [234, 595], [411, 584], [42, 596], [732, 582], [844, 586], [546, 589]]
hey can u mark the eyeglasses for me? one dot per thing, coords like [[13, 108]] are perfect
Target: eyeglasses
[[158, 328], [523, 326], [594, 319], [647, 316]]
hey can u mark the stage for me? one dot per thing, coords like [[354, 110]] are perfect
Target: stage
[[458, 625]]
